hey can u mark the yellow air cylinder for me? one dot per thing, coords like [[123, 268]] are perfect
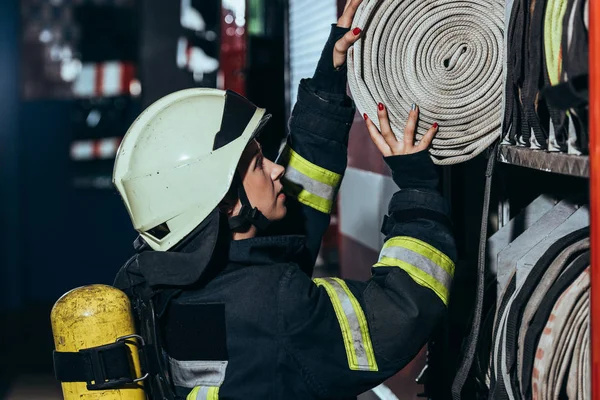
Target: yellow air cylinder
[[92, 316]]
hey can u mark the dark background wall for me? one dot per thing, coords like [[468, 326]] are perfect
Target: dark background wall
[[73, 236], [9, 158], [53, 237]]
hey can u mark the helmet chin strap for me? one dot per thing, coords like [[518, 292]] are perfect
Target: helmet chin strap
[[248, 215]]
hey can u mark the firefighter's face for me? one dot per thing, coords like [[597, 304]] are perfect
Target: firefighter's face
[[262, 181]]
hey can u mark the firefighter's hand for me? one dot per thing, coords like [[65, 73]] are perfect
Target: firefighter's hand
[[345, 21], [386, 141]]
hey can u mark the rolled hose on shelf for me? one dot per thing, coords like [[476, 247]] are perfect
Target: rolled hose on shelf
[[561, 367], [444, 55]]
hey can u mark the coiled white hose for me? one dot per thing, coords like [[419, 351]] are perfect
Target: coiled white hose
[[444, 55]]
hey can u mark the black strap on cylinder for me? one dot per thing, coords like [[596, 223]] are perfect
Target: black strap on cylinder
[[159, 384], [248, 215], [103, 367]]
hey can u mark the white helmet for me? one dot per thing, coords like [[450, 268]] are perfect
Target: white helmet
[[178, 159]]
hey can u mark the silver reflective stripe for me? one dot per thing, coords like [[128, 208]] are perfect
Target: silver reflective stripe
[[189, 374], [361, 354], [313, 186], [353, 324], [202, 393], [420, 261]]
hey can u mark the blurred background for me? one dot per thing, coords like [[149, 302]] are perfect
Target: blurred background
[[74, 74]]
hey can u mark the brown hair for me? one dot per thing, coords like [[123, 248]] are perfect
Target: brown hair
[[229, 201]]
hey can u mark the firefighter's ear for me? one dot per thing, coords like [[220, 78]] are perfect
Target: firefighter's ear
[[228, 204], [226, 208]]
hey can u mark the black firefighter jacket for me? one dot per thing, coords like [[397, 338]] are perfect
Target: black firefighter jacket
[[253, 324]]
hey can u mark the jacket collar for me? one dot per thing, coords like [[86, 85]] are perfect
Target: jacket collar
[[267, 250], [193, 259], [190, 260]]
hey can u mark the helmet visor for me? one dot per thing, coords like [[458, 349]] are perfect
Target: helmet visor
[[264, 120]]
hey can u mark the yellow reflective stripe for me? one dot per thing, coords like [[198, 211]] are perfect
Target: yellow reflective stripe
[[353, 324], [418, 275], [363, 326], [193, 394], [311, 170], [311, 184], [425, 264], [314, 201], [213, 393], [204, 393], [423, 248]]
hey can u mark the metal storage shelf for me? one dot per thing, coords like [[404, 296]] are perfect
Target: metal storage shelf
[[559, 163]]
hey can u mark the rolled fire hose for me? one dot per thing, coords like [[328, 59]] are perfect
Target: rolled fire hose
[[444, 55], [561, 366]]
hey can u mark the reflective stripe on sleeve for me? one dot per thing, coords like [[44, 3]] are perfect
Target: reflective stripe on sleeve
[[312, 185], [353, 324], [425, 264], [204, 393]]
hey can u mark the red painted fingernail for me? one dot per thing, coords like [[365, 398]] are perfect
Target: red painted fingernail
[[380, 106], [435, 125], [365, 116], [356, 31]]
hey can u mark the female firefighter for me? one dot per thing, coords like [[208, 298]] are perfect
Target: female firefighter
[[228, 240]]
